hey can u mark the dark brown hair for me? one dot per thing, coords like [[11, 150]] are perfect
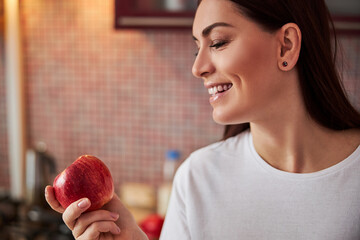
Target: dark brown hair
[[322, 90]]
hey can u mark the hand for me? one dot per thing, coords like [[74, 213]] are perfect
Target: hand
[[113, 221]]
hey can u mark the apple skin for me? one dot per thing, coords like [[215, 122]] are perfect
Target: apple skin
[[152, 226], [86, 177]]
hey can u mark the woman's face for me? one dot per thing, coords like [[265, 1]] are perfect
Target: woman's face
[[237, 61]]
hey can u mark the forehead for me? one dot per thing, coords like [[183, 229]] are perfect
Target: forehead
[[212, 11]]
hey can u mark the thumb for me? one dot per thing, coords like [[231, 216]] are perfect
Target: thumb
[[74, 210]]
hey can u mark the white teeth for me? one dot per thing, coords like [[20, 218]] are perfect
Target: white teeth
[[215, 90], [220, 88], [211, 91]]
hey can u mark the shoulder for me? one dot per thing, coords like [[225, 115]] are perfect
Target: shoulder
[[229, 147], [217, 156]]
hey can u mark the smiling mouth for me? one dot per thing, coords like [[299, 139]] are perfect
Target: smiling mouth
[[219, 89]]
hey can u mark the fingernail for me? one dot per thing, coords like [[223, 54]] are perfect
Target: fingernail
[[118, 230], [83, 203], [114, 215]]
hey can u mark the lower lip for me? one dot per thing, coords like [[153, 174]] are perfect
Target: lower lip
[[218, 96]]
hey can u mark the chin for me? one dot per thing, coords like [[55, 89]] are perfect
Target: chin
[[227, 117], [221, 118]]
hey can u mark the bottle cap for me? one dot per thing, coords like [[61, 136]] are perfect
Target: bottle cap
[[172, 155]]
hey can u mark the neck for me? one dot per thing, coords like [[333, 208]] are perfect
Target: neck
[[302, 146], [287, 138]]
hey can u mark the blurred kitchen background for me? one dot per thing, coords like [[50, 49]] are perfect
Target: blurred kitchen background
[[124, 94]]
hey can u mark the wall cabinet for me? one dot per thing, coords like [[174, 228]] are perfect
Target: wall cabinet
[[172, 14], [178, 14]]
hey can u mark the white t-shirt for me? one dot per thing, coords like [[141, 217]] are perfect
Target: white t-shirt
[[227, 191]]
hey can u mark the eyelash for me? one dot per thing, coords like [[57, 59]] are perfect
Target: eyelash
[[218, 44], [215, 45]]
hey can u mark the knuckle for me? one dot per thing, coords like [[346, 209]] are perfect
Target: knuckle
[[67, 223], [64, 218], [77, 230], [92, 232], [69, 216], [101, 226], [79, 223]]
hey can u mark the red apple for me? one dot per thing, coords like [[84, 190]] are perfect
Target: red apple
[[152, 226], [87, 177]]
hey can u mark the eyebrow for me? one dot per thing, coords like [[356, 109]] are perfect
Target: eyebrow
[[209, 28]]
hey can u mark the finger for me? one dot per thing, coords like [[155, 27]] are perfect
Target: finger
[[106, 236], [102, 236], [50, 198], [74, 210], [97, 228], [87, 219]]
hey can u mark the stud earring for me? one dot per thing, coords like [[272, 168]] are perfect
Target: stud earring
[[284, 63]]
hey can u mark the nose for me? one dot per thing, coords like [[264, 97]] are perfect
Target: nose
[[203, 65]]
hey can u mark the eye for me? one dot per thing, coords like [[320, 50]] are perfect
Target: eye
[[218, 44]]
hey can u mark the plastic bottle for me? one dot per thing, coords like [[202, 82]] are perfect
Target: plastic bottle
[[170, 165]]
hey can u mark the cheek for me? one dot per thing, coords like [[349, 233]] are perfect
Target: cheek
[[251, 58], [251, 66]]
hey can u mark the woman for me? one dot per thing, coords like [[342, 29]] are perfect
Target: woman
[[289, 162]]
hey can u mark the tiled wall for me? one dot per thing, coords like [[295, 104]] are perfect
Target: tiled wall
[[125, 96]]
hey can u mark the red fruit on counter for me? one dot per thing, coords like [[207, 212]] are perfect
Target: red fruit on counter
[[152, 226], [87, 177]]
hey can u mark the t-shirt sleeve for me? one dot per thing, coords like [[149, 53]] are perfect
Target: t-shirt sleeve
[[176, 226]]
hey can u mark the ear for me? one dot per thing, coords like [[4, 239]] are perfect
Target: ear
[[289, 38]]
